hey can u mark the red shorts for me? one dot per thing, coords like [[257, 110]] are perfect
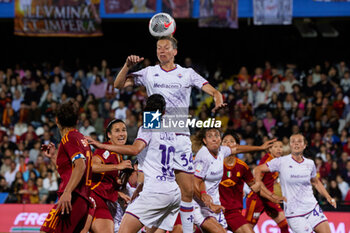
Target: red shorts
[[102, 210], [234, 219], [256, 205], [178, 220], [66, 223]]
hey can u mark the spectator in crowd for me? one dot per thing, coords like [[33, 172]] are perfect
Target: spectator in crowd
[[98, 88], [30, 168], [87, 128], [10, 175], [50, 184]]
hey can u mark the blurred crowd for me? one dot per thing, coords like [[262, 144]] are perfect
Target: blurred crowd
[[264, 102]]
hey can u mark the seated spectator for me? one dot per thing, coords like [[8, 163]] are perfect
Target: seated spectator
[[87, 129], [30, 193], [35, 151], [69, 88], [30, 168], [98, 88], [343, 186], [17, 185], [346, 172], [97, 122], [6, 165], [50, 184], [334, 191], [10, 175], [3, 185], [43, 192]]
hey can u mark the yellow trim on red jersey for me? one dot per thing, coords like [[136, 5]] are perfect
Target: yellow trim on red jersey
[[242, 163]]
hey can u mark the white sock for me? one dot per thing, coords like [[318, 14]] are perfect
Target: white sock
[[187, 218]]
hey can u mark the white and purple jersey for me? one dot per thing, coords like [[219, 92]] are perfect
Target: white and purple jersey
[[295, 183], [211, 170], [174, 85], [157, 161]]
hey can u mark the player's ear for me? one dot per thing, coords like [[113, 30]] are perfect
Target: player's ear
[[175, 52]]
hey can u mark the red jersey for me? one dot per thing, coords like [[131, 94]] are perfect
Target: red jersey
[[268, 177], [105, 183], [231, 185], [72, 144]]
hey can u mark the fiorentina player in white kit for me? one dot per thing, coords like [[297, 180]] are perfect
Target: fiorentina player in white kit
[[297, 175], [158, 204], [209, 168], [174, 83]]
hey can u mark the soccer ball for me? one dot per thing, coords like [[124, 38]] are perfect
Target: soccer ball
[[162, 24]]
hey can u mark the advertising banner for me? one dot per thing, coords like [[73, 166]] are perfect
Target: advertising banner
[[29, 218], [73, 18]]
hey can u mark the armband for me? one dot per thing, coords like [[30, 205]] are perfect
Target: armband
[[78, 156]]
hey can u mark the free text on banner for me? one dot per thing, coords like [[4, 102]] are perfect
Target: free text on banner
[[218, 13], [29, 218], [73, 18]]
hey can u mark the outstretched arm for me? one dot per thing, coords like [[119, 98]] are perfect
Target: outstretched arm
[[133, 149], [122, 80], [321, 189], [219, 101], [245, 149], [98, 166]]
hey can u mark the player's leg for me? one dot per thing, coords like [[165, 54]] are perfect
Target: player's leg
[[155, 230], [211, 225], [101, 225], [87, 224], [281, 221], [177, 226], [246, 228], [237, 222], [183, 165], [255, 208], [177, 229], [323, 227], [299, 225], [130, 224], [319, 221]]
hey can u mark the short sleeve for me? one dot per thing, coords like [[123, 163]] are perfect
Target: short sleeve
[[201, 165], [274, 165], [248, 176], [73, 148], [313, 172], [140, 77], [226, 151], [144, 135], [197, 80]]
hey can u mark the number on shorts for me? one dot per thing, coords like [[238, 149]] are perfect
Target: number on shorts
[[165, 159], [315, 212], [183, 157]]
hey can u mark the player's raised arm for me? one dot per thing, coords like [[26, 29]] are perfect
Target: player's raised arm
[[133, 149], [123, 80], [237, 149], [218, 99]]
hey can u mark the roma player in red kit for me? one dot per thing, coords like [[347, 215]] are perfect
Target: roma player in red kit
[[105, 168], [256, 205], [73, 162], [236, 172]]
